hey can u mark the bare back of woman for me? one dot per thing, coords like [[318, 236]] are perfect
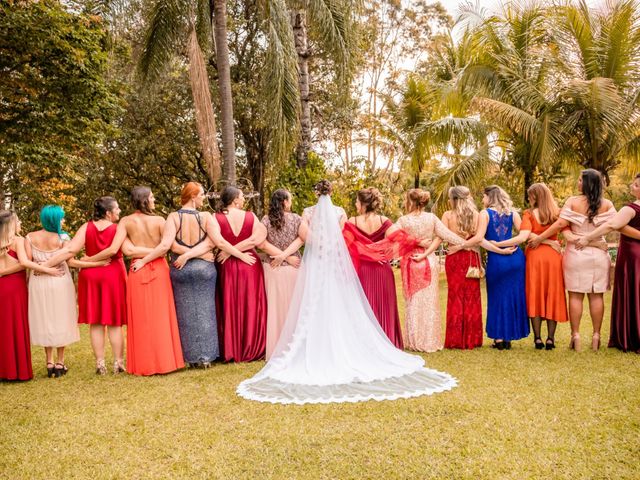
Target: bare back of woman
[[191, 230], [143, 230]]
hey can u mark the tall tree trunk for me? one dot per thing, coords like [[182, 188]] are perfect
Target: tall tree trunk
[[416, 180], [205, 118], [224, 87], [528, 181], [299, 25]]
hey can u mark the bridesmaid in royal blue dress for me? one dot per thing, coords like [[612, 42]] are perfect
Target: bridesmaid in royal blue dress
[[507, 318]]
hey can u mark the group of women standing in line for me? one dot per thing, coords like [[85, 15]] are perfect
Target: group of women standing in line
[[174, 317]]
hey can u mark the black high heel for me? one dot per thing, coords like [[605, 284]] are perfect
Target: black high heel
[[507, 345], [51, 370], [537, 341], [499, 345], [550, 344], [60, 369]]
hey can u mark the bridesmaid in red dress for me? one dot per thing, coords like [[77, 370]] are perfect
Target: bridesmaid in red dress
[[464, 310], [376, 278], [625, 304], [241, 298], [101, 290]]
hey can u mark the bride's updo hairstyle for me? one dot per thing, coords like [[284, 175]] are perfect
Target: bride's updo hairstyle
[[370, 199], [228, 195], [323, 187], [416, 199]]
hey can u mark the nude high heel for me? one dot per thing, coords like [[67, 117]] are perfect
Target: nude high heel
[[595, 341], [575, 342]]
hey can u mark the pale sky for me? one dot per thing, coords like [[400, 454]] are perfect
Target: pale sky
[[452, 5]]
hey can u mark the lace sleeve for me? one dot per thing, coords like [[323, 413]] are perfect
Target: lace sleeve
[[444, 233], [341, 214], [307, 213]]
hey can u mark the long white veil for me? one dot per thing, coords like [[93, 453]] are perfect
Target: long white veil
[[332, 348]]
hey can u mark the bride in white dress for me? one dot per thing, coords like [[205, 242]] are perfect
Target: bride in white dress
[[332, 348]]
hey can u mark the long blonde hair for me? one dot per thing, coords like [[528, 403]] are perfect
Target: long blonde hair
[[499, 199], [543, 200], [7, 230], [464, 208]]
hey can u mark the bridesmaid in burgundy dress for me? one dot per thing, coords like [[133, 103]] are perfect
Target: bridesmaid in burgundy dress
[[101, 290], [464, 309], [625, 304], [376, 278], [241, 297]]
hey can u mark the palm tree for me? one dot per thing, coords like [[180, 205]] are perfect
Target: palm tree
[[173, 27], [601, 50], [512, 74]]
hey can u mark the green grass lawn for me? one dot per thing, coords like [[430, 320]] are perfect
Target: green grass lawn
[[515, 414]]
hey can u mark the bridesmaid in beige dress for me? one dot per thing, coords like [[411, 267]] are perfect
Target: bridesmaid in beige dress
[[53, 316], [586, 271], [280, 273], [423, 329]]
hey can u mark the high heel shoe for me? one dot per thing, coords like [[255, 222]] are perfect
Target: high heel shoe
[[51, 370], [60, 369], [550, 344], [101, 368], [118, 367], [537, 341], [595, 341], [575, 342]]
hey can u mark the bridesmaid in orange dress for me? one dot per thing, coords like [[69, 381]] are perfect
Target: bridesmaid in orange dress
[[544, 277], [585, 271], [241, 297], [153, 339], [377, 279]]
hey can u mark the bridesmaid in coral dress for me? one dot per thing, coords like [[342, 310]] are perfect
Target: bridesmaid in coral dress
[[241, 297], [586, 271], [625, 305], [377, 279], [464, 308], [101, 290], [546, 298], [153, 339]]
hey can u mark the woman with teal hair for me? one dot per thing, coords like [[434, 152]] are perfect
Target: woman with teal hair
[[53, 317]]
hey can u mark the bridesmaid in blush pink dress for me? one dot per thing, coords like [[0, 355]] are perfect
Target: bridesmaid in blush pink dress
[[281, 271], [376, 278], [241, 298]]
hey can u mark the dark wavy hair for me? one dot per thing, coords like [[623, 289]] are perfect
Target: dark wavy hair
[[103, 205], [276, 208], [140, 199], [323, 187], [228, 195], [592, 187], [370, 198]]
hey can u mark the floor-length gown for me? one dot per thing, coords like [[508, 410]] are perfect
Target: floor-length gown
[[153, 338], [15, 347], [102, 298], [464, 308], [625, 304], [423, 327], [279, 282], [332, 348], [53, 316], [546, 296], [378, 283], [193, 285], [506, 304], [242, 301]]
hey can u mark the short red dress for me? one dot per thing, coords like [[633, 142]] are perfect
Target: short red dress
[[15, 347], [102, 290]]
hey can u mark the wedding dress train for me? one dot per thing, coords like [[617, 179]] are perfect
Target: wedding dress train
[[332, 348]]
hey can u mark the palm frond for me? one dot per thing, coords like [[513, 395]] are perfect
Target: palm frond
[[280, 85], [166, 34], [508, 117]]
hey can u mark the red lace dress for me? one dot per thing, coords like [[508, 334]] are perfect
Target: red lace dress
[[241, 299], [102, 290], [15, 349]]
